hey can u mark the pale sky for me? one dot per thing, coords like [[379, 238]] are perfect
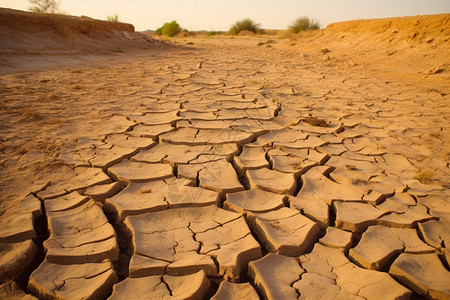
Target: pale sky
[[220, 14]]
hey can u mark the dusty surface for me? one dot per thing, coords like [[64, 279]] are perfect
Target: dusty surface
[[217, 167]]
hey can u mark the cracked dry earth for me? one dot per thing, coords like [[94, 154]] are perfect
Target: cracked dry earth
[[223, 171]]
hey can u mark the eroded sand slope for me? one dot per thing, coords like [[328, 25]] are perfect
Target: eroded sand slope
[[229, 170]]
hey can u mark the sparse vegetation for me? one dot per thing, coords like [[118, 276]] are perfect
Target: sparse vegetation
[[117, 50], [245, 25], [169, 29], [424, 176], [114, 18], [303, 24], [45, 6]]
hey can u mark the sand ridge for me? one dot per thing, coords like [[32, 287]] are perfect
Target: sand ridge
[[225, 169]]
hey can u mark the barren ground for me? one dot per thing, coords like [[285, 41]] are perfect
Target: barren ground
[[312, 169]]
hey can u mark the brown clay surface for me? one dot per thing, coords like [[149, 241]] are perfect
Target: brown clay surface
[[224, 167]]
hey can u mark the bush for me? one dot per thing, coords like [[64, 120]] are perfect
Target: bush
[[114, 18], [304, 23], [169, 29], [245, 25], [44, 6]]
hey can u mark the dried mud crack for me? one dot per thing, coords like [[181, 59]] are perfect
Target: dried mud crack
[[256, 173]]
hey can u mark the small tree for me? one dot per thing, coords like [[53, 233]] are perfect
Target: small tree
[[303, 23], [245, 24], [114, 18], [169, 29], [44, 6]]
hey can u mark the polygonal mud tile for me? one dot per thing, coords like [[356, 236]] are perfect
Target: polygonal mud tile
[[114, 124], [411, 240], [331, 138], [246, 125], [85, 281], [80, 235], [204, 158], [219, 176], [435, 233], [205, 124], [16, 229], [107, 157], [316, 286], [15, 257], [291, 164], [101, 192], [405, 213], [378, 248], [150, 131], [323, 128], [232, 246], [311, 142], [315, 209], [130, 171], [363, 146], [157, 118], [184, 154], [191, 136], [69, 180], [351, 133], [281, 135], [27, 205], [422, 273], [274, 275], [10, 290], [264, 114], [185, 240], [438, 206], [380, 245], [332, 149], [349, 170], [65, 202], [382, 187], [77, 158], [317, 186], [337, 238], [254, 200], [251, 158], [397, 164], [272, 181], [284, 231], [17, 219], [198, 115], [228, 290], [348, 281], [356, 217], [193, 286], [126, 141], [139, 198]]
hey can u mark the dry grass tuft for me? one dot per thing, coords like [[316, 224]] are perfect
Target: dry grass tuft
[[424, 176], [30, 116]]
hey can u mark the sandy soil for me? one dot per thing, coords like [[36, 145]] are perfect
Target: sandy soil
[[348, 129]]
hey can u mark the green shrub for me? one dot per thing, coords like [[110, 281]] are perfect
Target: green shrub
[[114, 18], [245, 25], [304, 23], [211, 33], [169, 29]]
